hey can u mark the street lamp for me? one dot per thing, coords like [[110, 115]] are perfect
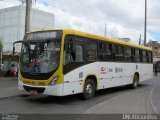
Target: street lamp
[[145, 24]]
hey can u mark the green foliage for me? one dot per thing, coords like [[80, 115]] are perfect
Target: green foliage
[[1, 46]]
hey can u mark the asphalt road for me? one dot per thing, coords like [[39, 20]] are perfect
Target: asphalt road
[[144, 99]]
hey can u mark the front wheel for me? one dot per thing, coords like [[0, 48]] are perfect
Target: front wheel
[[89, 89]]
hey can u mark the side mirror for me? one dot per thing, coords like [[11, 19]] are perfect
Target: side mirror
[[14, 46]]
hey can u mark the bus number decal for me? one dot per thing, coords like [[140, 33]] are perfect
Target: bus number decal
[[81, 75]]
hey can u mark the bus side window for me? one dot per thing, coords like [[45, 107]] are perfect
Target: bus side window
[[113, 51], [136, 57], [128, 54], [73, 52], [144, 54], [79, 53], [149, 57], [105, 51], [67, 53], [141, 55], [119, 53], [91, 50], [108, 52], [69, 50], [101, 51]]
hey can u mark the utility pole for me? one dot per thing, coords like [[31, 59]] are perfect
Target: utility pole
[[28, 13], [140, 39], [105, 31], [145, 24]]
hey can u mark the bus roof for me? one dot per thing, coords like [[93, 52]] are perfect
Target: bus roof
[[89, 35]]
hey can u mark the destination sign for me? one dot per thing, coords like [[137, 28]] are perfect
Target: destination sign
[[42, 35]]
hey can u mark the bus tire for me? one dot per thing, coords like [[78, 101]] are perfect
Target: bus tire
[[89, 89], [135, 81]]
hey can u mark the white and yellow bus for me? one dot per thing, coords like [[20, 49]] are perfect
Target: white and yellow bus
[[65, 62]]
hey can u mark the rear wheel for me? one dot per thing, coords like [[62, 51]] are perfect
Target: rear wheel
[[89, 89], [135, 81]]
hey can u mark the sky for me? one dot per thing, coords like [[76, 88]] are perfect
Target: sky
[[120, 18]]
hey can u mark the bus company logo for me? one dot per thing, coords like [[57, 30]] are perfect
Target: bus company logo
[[103, 70], [118, 70]]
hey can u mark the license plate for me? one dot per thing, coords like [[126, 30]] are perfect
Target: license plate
[[33, 92]]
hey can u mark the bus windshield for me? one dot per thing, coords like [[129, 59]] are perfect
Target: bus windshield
[[40, 55]]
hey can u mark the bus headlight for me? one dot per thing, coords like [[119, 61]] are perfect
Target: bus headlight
[[53, 82]]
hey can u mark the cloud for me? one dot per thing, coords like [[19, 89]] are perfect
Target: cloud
[[8, 3], [123, 18]]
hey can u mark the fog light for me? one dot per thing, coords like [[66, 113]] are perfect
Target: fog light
[[53, 82]]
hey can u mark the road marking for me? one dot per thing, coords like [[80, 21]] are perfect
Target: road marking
[[154, 108]]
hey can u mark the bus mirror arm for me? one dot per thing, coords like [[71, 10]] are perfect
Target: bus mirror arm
[[13, 50], [14, 46]]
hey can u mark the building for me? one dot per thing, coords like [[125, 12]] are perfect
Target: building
[[156, 48], [9, 59], [12, 24]]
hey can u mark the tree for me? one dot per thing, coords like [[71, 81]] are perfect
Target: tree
[[1, 46]]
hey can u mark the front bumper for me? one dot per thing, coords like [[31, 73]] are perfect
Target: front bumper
[[56, 90]]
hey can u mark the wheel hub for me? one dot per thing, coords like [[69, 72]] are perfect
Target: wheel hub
[[89, 89]]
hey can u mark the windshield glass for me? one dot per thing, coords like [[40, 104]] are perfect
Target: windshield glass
[[40, 56]]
